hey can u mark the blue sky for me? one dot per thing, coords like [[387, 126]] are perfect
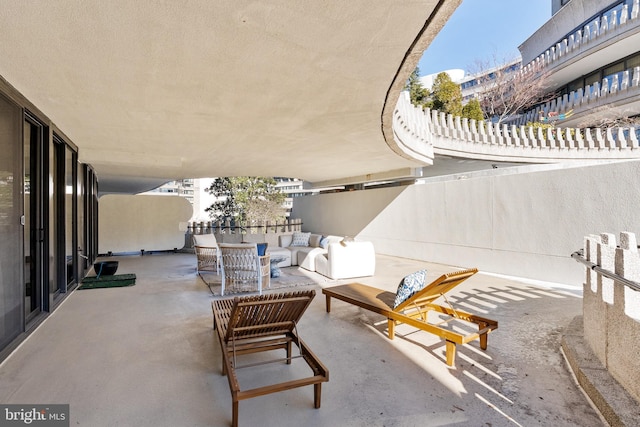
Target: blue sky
[[481, 30]]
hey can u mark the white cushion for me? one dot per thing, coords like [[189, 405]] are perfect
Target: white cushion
[[208, 240], [284, 240], [300, 239]]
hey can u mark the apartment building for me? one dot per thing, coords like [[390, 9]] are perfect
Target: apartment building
[[589, 55]]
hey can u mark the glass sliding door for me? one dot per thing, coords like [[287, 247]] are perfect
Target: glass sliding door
[[70, 201], [11, 206], [35, 272], [53, 214]]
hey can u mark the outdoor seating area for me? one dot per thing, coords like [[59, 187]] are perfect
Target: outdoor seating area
[[154, 343], [334, 257], [249, 266]]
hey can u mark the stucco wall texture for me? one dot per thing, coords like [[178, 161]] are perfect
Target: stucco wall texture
[[524, 224]]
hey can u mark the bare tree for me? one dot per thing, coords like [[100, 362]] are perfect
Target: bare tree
[[505, 89], [607, 116]]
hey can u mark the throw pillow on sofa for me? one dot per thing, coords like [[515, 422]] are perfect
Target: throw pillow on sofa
[[300, 239], [262, 248], [314, 240]]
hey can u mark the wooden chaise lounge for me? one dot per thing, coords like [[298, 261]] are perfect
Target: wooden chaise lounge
[[255, 324], [415, 309]]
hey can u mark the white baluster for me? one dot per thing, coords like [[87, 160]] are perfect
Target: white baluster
[[624, 15], [605, 87], [551, 140], [587, 34], [579, 140], [605, 25], [624, 84], [532, 137], [578, 39], [595, 92], [633, 138], [560, 139], [622, 140], [568, 134], [600, 139], [614, 85], [609, 139], [589, 138]]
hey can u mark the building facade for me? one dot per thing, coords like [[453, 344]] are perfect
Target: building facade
[[589, 55]]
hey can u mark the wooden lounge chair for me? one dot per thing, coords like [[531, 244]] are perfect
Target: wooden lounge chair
[[253, 324], [415, 309]]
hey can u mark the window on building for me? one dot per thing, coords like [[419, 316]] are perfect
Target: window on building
[[610, 72], [633, 61], [592, 78]]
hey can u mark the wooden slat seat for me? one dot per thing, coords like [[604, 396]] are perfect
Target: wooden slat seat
[[414, 311], [255, 324]]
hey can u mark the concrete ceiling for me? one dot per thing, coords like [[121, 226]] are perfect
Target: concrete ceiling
[[151, 91]]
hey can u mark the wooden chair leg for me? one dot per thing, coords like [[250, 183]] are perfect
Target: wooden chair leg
[[224, 367], [451, 352], [317, 395], [289, 353], [483, 337], [391, 326], [234, 421]]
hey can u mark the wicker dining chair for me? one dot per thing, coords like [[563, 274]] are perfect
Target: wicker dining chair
[[242, 268], [206, 248]]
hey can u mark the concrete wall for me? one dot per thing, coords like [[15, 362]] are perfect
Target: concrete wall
[[133, 223], [525, 224]]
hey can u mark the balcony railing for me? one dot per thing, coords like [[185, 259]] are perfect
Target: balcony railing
[[230, 231], [616, 89], [591, 35], [460, 137]]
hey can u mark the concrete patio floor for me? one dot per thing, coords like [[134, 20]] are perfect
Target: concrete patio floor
[[146, 355]]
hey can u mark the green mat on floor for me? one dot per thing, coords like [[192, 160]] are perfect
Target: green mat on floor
[[117, 281]]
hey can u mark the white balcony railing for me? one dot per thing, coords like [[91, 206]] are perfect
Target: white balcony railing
[[619, 89], [594, 34], [455, 136]]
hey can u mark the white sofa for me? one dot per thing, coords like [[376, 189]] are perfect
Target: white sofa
[[331, 256], [344, 260], [303, 256]]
